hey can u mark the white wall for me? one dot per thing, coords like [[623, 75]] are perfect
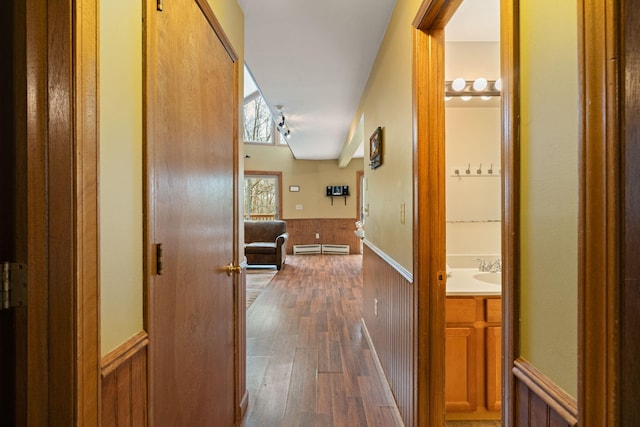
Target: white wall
[[472, 131]]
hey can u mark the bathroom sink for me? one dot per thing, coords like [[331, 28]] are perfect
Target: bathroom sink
[[493, 278]]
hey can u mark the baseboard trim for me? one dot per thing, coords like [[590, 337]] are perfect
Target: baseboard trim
[[387, 388], [553, 396], [244, 405]]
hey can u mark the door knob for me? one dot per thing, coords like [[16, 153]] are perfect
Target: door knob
[[233, 269]]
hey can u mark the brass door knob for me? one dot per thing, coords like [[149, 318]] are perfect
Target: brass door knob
[[233, 269]]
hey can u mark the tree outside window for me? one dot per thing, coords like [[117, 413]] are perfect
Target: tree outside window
[[261, 197], [258, 123]]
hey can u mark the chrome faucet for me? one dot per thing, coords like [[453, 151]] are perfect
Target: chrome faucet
[[494, 266], [483, 266]]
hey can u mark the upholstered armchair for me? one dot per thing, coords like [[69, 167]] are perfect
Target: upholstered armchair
[[265, 242]]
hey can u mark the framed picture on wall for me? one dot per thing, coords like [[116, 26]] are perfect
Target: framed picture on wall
[[375, 148]]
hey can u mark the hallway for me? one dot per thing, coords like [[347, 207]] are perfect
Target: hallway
[[308, 361]]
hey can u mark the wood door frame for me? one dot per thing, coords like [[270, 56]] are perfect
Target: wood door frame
[[239, 322], [510, 115], [429, 209], [61, 78], [601, 213], [359, 193]]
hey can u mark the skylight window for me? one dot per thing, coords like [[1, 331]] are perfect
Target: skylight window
[[257, 121]]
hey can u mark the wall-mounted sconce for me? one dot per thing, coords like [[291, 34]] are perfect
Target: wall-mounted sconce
[[469, 89]]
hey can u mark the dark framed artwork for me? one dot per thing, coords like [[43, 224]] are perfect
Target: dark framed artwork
[[375, 148]]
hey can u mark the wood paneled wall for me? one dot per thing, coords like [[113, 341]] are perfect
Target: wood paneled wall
[[340, 231], [391, 328], [124, 384], [539, 402]]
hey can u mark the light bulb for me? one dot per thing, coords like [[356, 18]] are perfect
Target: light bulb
[[465, 98], [485, 98], [458, 84], [498, 85], [447, 98], [480, 84]]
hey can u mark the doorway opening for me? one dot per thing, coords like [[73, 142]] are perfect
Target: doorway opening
[[472, 121]]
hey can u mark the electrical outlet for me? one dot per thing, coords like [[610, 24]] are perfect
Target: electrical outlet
[[375, 307], [317, 235]]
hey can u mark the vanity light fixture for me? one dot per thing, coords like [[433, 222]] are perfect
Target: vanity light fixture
[[458, 84], [468, 89], [480, 84]]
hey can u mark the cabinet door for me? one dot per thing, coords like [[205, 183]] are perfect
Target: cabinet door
[[460, 382], [494, 368]]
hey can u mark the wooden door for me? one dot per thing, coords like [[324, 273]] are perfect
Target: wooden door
[[191, 167]]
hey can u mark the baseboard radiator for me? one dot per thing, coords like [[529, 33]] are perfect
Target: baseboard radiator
[[335, 249], [306, 249]]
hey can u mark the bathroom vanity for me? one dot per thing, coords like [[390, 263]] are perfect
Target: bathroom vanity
[[473, 345]]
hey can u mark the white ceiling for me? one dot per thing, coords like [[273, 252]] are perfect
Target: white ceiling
[[313, 58]]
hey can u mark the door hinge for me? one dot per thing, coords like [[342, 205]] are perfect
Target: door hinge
[[14, 285], [159, 5], [159, 260]]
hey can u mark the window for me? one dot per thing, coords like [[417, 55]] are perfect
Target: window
[[261, 196], [257, 122]]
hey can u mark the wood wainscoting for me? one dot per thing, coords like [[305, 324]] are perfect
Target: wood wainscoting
[[388, 301], [124, 384], [539, 402], [332, 231]]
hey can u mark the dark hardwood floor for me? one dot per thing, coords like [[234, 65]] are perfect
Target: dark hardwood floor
[[308, 361]]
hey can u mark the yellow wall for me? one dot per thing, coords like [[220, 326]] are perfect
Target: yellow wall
[[549, 189], [387, 102], [312, 176], [121, 123], [120, 171]]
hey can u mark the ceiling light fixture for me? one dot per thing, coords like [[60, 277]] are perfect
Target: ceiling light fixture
[[283, 128]]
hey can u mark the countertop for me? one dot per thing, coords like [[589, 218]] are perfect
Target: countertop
[[471, 281]]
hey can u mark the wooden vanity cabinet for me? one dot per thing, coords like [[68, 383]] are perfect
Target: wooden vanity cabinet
[[473, 357]]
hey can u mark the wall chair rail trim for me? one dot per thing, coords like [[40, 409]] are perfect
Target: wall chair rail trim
[[393, 263], [114, 359], [555, 398]]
